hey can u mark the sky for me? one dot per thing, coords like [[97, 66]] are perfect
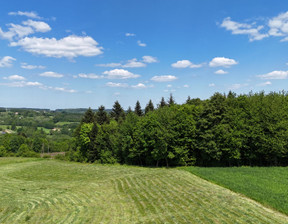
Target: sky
[[80, 54]]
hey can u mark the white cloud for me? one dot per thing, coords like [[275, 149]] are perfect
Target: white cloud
[[149, 59], [211, 85], [186, 86], [19, 31], [51, 74], [120, 74], [16, 30], [181, 64], [32, 15], [22, 84], [69, 47], [133, 63], [14, 77], [119, 85], [265, 83], [164, 78], [112, 65], [90, 76], [169, 86], [275, 75], [141, 44], [220, 72], [185, 64], [130, 34], [37, 25], [33, 84], [279, 26], [251, 30], [30, 67], [222, 62], [139, 86], [61, 89], [6, 61]]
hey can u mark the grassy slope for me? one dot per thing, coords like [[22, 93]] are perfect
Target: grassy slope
[[49, 191], [268, 185]]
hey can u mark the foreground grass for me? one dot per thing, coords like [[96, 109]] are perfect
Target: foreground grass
[[268, 185], [49, 191]]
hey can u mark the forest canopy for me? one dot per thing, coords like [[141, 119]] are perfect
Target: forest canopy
[[224, 130]]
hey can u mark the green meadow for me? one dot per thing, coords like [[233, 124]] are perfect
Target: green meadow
[[268, 185], [52, 191]]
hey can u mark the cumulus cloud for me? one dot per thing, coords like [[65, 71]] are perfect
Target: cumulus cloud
[[251, 30], [186, 86], [276, 27], [133, 63], [69, 47], [22, 84], [30, 67], [37, 25], [62, 89], [14, 77], [185, 64], [279, 26], [141, 44], [211, 85], [130, 34], [51, 74], [119, 85], [120, 74], [222, 62], [164, 78], [139, 86], [265, 83], [275, 75], [32, 15], [20, 31], [149, 59], [16, 30], [220, 72], [6, 61], [90, 76]]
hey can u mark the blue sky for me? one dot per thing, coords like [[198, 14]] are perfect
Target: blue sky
[[71, 54]]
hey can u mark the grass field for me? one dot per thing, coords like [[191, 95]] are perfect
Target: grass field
[[268, 185], [51, 191]]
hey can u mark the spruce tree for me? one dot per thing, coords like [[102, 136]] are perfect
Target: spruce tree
[[162, 103], [138, 109], [149, 107], [129, 110], [89, 116], [102, 116], [171, 101], [117, 111]]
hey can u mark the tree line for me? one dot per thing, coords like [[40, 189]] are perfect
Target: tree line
[[224, 130]]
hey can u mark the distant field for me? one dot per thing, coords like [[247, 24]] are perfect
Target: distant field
[[50, 191], [61, 123], [268, 185]]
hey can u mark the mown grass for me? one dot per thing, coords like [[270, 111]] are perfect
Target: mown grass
[[268, 185], [51, 191]]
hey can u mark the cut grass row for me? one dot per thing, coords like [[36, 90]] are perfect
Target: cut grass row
[[268, 185], [50, 191]]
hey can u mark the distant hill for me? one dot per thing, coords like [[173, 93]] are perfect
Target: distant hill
[[69, 110]]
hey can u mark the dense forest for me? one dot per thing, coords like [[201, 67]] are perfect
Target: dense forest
[[224, 130]]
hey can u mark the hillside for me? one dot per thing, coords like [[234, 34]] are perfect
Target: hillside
[[49, 191]]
